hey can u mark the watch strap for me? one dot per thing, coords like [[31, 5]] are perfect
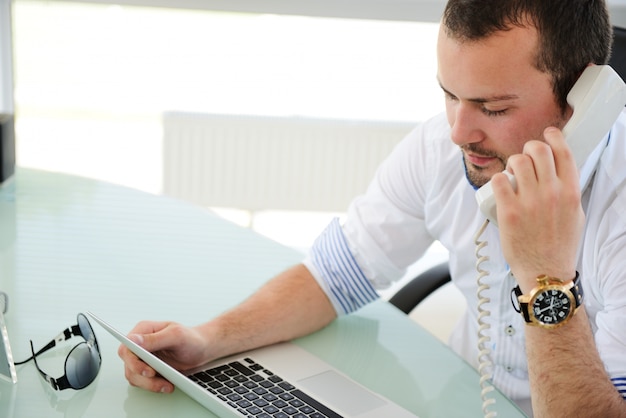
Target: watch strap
[[521, 307]]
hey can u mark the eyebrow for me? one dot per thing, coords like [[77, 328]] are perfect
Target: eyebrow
[[482, 100]]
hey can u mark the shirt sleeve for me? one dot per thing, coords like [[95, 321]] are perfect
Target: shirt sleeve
[[620, 385], [335, 269]]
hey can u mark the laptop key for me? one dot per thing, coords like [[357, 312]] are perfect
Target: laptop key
[[215, 384], [286, 386], [244, 404], [234, 397], [286, 396], [271, 409], [306, 409], [217, 370], [241, 368], [231, 373], [290, 410], [251, 396], [250, 385], [204, 377], [280, 403], [254, 410], [259, 391], [224, 391], [274, 379], [256, 367], [222, 377], [270, 398], [297, 403], [261, 403]]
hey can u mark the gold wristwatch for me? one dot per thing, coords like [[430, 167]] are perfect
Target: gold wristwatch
[[551, 304]]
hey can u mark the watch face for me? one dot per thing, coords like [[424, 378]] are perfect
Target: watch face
[[551, 306]]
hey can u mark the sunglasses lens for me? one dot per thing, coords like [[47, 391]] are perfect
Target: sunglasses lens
[[82, 365], [86, 330]]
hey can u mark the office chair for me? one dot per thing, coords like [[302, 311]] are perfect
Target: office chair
[[618, 55], [415, 291], [410, 295]]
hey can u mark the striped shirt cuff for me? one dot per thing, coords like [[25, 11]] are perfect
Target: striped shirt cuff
[[620, 384], [340, 276]]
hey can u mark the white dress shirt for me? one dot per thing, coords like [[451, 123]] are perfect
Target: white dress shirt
[[420, 194]]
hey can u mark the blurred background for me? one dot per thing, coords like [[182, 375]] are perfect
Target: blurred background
[[94, 83]]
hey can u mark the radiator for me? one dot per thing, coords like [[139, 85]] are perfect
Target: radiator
[[272, 163]]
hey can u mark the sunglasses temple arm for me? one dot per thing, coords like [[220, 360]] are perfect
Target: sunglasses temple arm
[[57, 384], [63, 336], [43, 350]]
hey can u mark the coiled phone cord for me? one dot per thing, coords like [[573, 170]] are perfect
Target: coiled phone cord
[[484, 351]]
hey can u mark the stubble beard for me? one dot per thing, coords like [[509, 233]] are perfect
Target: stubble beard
[[479, 176]]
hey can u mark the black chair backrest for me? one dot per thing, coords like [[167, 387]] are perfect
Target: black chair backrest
[[420, 287], [618, 55]]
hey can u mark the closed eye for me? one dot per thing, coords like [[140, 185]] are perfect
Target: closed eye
[[493, 113], [498, 101]]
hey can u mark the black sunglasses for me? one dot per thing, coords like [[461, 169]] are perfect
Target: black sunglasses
[[83, 361]]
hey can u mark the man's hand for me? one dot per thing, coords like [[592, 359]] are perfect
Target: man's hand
[[541, 223], [290, 305], [181, 347]]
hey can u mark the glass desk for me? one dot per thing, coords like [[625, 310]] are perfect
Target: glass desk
[[69, 245]]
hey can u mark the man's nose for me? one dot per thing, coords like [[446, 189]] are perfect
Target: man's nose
[[465, 124]]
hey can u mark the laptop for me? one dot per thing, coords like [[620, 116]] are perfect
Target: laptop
[[281, 380]]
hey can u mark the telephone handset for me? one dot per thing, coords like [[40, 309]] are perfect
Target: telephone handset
[[597, 98]]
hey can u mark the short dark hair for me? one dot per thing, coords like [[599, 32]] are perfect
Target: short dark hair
[[572, 33]]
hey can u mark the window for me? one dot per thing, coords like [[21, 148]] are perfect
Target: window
[[92, 80]]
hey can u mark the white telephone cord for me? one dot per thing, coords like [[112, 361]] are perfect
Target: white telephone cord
[[485, 364]]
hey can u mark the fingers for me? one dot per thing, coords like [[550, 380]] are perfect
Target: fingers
[[565, 163], [136, 371], [134, 364], [544, 162], [141, 375], [149, 327], [158, 336], [546, 177]]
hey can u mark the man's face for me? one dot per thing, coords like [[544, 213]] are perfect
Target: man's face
[[496, 100]]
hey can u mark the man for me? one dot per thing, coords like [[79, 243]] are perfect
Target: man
[[505, 68]]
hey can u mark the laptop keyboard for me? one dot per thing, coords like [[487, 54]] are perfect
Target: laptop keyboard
[[256, 392]]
